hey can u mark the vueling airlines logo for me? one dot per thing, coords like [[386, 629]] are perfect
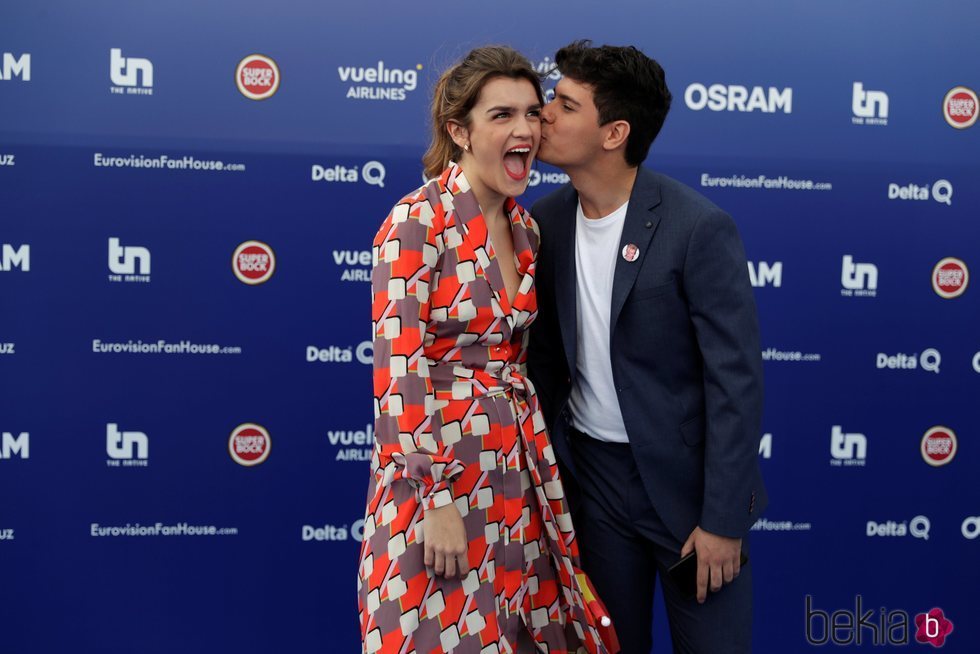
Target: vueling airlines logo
[[379, 82]]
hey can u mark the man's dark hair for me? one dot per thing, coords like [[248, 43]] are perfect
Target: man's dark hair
[[626, 85]]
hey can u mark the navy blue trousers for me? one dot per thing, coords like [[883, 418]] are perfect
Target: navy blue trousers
[[625, 545]]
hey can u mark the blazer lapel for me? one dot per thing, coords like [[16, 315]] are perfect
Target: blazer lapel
[[563, 234], [638, 229]]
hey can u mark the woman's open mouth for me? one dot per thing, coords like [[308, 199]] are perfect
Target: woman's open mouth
[[516, 162]]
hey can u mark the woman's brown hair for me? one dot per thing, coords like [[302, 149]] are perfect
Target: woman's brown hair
[[458, 90]]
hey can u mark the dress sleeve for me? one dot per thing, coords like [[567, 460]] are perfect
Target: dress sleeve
[[405, 254]]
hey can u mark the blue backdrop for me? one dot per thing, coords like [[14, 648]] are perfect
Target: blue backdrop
[[185, 416]]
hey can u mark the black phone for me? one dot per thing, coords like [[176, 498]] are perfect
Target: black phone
[[685, 574]]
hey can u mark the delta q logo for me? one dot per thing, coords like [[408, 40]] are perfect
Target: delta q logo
[[372, 173]]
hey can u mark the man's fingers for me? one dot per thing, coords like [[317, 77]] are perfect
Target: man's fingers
[[702, 580], [715, 578], [728, 572], [688, 546]]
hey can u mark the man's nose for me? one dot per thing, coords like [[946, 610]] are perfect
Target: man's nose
[[547, 114]]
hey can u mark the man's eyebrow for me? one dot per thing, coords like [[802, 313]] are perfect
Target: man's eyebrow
[[567, 98]]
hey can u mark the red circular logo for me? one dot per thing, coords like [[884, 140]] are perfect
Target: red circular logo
[[253, 262], [960, 107], [249, 444], [257, 77], [950, 278], [938, 446]]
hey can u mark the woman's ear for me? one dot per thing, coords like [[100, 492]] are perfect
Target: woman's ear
[[459, 134]]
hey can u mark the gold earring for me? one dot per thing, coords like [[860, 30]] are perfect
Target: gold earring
[[467, 147]]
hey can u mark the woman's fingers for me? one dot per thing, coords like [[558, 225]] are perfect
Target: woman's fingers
[[445, 545], [450, 566], [439, 567]]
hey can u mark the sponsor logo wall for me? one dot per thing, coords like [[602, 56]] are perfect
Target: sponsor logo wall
[[132, 445]]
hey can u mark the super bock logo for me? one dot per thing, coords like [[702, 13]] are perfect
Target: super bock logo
[[253, 262], [960, 107], [938, 446], [257, 77], [249, 444], [950, 278]]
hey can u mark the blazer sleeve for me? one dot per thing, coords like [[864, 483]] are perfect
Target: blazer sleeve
[[405, 254], [723, 312]]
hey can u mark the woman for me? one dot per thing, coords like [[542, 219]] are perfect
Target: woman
[[468, 545]]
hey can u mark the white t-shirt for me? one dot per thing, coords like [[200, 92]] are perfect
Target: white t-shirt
[[593, 401]]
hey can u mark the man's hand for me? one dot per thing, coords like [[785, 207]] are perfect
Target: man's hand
[[444, 537], [718, 560]]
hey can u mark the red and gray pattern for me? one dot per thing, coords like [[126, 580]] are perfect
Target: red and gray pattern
[[457, 421]]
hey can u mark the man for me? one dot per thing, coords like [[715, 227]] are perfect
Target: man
[[646, 357]]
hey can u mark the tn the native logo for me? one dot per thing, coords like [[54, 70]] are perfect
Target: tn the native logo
[[858, 276], [121, 444], [124, 260], [847, 446], [124, 71], [869, 104]]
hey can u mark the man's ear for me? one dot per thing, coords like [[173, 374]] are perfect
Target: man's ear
[[459, 134], [617, 133]]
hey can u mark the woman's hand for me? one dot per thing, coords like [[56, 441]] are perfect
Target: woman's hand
[[444, 537]]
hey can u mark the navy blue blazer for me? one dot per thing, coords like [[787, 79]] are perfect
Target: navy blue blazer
[[685, 352]]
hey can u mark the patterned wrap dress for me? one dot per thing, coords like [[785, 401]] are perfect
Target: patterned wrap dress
[[457, 421]]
